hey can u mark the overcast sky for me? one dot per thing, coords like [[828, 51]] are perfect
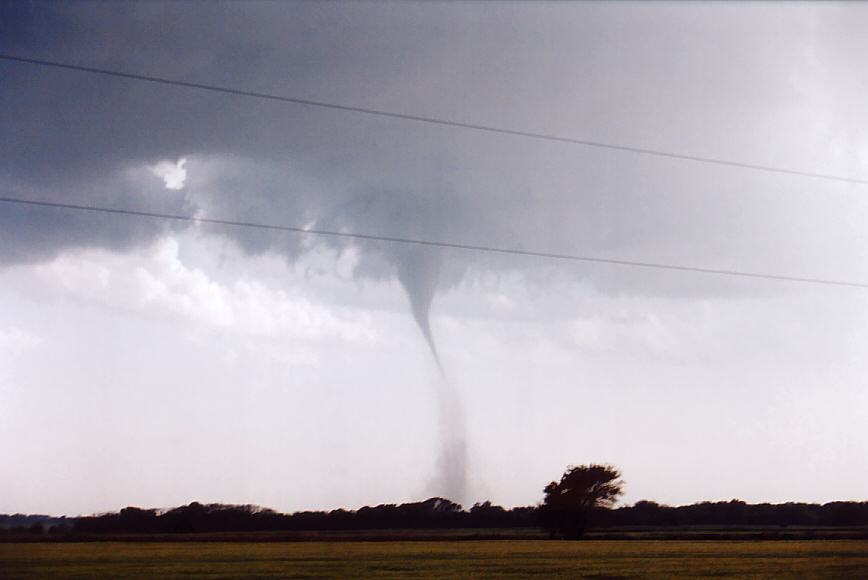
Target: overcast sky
[[152, 363]]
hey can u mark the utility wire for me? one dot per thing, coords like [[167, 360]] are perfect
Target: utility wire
[[431, 243], [433, 120]]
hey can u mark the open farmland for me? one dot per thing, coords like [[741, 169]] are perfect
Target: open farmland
[[833, 559]]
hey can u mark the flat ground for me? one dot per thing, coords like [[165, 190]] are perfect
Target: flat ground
[[832, 559]]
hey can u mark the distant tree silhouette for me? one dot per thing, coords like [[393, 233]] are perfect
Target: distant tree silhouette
[[570, 504]]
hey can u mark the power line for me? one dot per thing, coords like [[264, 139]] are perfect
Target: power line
[[431, 243], [434, 120]]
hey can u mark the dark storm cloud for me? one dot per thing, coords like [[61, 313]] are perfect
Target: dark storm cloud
[[721, 81]]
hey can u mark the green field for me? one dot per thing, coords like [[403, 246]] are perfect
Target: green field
[[833, 559]]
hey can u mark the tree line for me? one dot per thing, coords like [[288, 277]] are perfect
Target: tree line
[[440, 513], [583, 498]]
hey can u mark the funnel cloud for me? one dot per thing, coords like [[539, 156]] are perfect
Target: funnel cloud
[[418, 271]]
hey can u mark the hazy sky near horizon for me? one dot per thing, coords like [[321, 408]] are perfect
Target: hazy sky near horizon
[[151, 363]]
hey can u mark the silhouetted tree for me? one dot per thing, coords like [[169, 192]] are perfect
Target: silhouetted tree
[[569, 504]]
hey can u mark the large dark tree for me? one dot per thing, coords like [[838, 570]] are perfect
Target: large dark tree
[[570, 504]]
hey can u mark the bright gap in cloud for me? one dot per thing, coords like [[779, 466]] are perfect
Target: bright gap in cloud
[[173, 174]]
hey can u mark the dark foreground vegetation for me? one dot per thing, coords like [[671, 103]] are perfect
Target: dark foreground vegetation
[[434, 514]]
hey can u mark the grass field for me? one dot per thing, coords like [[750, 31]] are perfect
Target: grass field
[[833, 559]]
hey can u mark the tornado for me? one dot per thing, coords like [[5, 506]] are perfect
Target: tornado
[[418, 270]]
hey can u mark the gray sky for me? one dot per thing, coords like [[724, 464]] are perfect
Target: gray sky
[[148, 363]]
